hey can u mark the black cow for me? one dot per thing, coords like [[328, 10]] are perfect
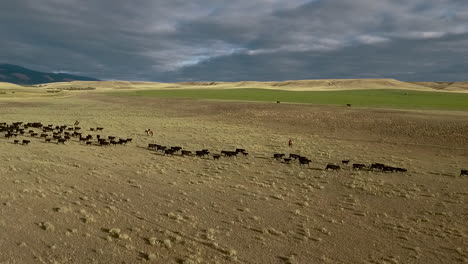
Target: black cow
[[401, 170], [229, 153], [186, 153], [151, 146], [332, 167], [240, 150], [278, 155], [345, 161], [304, 161], [26, 142], [389, 169], [216, 156], [464, 172], [162, 148], [359, 166], [377, 166], [200, 153], [176, 149], [294, 156], [169, 152]]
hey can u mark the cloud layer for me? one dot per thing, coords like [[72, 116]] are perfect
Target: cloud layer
[[175, 40]]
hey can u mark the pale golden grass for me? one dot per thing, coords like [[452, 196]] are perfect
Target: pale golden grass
[[74, 203], [297, 85]]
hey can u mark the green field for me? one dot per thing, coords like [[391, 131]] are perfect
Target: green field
[[400, 99]]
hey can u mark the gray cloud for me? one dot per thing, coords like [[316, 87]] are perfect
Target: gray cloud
[[175, 40]]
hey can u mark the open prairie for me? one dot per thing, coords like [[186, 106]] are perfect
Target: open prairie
[[86, 203]]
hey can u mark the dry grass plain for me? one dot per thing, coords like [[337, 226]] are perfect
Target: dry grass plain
[[74, 203]]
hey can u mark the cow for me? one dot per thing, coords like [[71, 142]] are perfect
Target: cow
[[152, 146], [240, 150], [229, 153], [169, 152], [345, 161], [162, 148], [377, 166], [278, 155], [176, 149], [304, 161], [186, 153], [200, 153], [332, 167], [294, 156], [389, 169], [463, 173], [287, 160], [359, 166], [216, 156], [26, 142], [401, 170]]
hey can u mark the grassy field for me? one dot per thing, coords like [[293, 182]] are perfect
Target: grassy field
[[401, 99]]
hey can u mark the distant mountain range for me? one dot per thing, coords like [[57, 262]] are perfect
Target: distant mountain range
[[22, 76]]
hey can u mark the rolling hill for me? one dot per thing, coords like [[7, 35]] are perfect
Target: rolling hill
[[23, 76]]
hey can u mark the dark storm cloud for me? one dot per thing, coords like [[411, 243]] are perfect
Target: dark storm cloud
[[174, 40]]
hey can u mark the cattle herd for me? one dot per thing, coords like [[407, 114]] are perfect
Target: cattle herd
[[167, 150], [60, 134], [330, 166]]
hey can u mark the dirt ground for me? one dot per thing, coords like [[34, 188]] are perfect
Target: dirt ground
[[77, 203]]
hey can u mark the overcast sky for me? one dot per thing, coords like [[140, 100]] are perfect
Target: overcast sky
[[208, 40]]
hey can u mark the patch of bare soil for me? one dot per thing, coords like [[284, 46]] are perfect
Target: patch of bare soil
[[78, 203]]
